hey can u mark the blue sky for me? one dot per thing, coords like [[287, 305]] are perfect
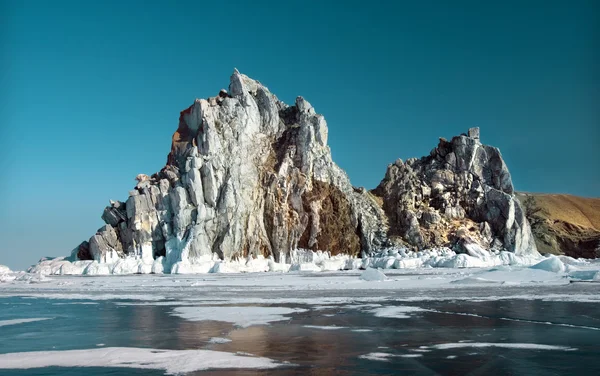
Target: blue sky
[[90, 92]]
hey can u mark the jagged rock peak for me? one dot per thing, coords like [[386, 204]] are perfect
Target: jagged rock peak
[[462, 193], [250, 175], [246, 175]]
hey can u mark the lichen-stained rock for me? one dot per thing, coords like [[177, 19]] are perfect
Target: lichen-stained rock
[[247, 174], [462, 193]]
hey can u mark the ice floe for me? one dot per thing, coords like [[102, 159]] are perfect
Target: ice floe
[[240, 316], [23, 321], [551, 264], [325, 327], [385, 357], [521, 346], [219, 340], [396, 312], [171, 361], [373, 275], [377, 356]]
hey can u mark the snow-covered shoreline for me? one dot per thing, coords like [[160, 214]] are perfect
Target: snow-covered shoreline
[[302, 261]]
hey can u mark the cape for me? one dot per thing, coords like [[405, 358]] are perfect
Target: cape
[[249, 175]]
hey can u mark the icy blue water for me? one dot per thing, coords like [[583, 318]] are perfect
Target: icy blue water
[[317, 351]]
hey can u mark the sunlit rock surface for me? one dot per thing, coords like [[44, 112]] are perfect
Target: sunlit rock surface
[[246, 175], [250, 177], [461, 195]]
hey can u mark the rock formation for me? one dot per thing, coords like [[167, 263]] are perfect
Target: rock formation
[[246, 175], [249, 175], [460, 195]]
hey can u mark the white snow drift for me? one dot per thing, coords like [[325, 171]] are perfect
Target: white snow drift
[[301, 261]]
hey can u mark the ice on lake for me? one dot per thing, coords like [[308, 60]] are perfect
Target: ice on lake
[[513, 318]]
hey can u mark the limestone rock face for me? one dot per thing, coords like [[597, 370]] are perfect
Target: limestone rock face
[[461, 194], [249, 175], [246, 175]]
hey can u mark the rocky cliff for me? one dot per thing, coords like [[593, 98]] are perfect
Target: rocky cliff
[[461, 195], [246, 175], [249, 175]]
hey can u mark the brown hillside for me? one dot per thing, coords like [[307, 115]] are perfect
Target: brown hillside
[[564, 224]]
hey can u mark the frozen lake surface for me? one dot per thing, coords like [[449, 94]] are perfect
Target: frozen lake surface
[[424, 322]]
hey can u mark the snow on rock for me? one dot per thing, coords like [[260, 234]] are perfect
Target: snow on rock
[[6, 275], [278, 267], [305, 267], [158, 266], [185, 267], [96, 268], [74, 268], [334, 263], [445, 258], [310, 261], [373, 275], [353, 264], [126, 265], [173, 362]]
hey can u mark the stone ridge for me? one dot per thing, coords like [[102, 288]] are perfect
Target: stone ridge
[[460, 194], [248, 175]]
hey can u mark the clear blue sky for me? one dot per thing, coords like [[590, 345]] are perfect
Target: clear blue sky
[[90, 92]]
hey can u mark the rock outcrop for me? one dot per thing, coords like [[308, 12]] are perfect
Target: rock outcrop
[[248, 175], [460, 195], [564, 224]]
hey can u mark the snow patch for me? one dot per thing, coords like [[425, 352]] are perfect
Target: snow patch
[[240, 316], [522, 346], [377, 356], [385, 357], [219, 340], [171, 361], [399, 312], [305, 267], [23, 321], [514, 276], [325, 327]]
